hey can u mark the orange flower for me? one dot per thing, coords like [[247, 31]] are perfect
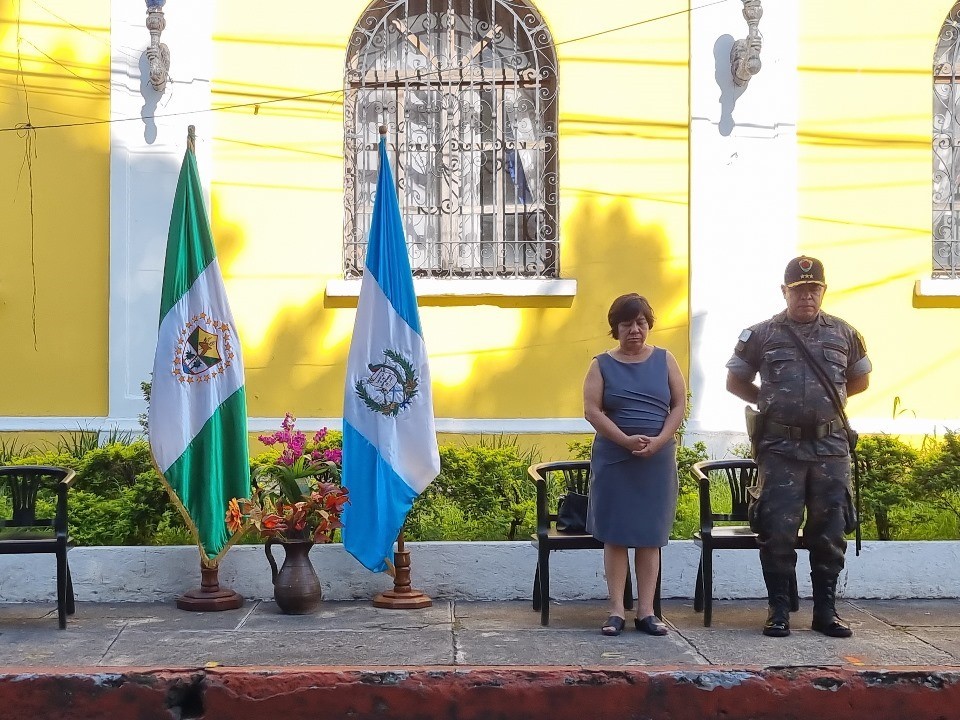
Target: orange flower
[[234, 518], [273, 523]]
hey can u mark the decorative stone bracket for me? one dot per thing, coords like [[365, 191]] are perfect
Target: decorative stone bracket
[[158, 54], [745, 54]]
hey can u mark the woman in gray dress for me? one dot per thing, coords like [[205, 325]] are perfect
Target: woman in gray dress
[[635, 397]]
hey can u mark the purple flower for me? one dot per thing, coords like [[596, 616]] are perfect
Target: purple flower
[[320, 436], [333, 455], [297, 442]]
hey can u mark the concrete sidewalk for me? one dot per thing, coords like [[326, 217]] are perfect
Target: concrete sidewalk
[[475, 661], [887, 633]]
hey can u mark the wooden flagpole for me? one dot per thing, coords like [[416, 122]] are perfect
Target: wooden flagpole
[[209, 597], [403, 596]]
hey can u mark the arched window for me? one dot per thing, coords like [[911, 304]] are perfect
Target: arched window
[[468, 92], [946, 149]]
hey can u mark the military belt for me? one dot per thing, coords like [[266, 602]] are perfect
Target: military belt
[[802, 432]]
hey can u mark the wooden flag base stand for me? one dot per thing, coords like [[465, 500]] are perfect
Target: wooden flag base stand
[[402, 597], [209, 597]]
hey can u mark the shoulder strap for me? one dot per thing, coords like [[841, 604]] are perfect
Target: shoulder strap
[[838, 406], [821, 376]]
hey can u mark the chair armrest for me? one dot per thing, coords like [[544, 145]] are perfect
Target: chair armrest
[[60, 521], [703, 489], [706, 508], [543, 512], [69, 478]]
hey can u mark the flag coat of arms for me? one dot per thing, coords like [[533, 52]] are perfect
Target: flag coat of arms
[[389, 439], [198, 409]]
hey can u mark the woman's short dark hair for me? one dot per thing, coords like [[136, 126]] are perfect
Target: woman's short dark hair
[[627, 307]]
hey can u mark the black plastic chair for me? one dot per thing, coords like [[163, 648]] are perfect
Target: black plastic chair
[[24, 532], [554, 479], [724, 497]]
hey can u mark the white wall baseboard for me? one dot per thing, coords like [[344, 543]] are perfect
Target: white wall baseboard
[[468, 571]]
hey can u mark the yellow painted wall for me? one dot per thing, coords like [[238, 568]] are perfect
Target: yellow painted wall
[[278, 211], [54, 210], [864, 128], [865, 202]]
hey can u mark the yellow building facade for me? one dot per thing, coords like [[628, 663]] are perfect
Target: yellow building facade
[[651, 137]]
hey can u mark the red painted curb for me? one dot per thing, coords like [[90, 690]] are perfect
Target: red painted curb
[[502, 693]]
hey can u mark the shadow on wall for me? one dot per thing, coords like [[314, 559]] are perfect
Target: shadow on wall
[[606, 249], [299, 381], [609, 251], [151, 101], [729, 92], [296, 381]]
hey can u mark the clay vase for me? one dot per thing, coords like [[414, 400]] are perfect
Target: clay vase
[[296, 587]]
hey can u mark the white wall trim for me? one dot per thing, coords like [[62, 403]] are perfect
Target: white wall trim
[[937, 287], [905, 426], [528, 426], [261, 424], [500, 287], [743, 226], [145, 158]]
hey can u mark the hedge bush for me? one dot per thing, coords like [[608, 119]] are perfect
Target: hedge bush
[[483, 491]]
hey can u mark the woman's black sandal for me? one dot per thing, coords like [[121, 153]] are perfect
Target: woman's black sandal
[[651, 625], [613, 626]]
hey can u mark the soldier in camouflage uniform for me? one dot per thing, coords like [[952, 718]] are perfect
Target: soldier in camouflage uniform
[[802, 450]]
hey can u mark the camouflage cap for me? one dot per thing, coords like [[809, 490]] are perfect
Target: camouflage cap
[[802, 270]]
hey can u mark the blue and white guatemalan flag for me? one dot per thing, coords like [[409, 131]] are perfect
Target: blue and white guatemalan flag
[[389, 440]]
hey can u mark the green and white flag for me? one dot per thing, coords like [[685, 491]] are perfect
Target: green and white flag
[[198, 407]]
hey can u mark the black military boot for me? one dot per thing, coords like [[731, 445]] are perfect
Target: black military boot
[[825, 618], [778, 608], [794, 594]]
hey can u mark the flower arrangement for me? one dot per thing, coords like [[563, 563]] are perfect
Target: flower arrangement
[[296, 492]]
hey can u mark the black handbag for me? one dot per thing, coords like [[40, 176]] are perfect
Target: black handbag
[[572, 513]]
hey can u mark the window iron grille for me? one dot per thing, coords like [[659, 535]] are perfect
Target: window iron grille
[[468, 92], [946, 149]]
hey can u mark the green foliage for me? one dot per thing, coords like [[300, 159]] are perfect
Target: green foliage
[[78, 443], [143, 418], [687, 520], [580, 449], [11, 448], [936, 474], [440, 518], [96, 520], [172, 530], [687, 457], [106, 470], [113, 504], [81, 442], [921, 521], [885, 463], [482, 490], [117, 498], [52, 457]]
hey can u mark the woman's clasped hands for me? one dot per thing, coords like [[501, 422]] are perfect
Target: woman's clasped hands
[[643, 445]]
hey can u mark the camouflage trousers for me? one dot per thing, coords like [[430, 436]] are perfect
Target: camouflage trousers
[[788, 486]]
